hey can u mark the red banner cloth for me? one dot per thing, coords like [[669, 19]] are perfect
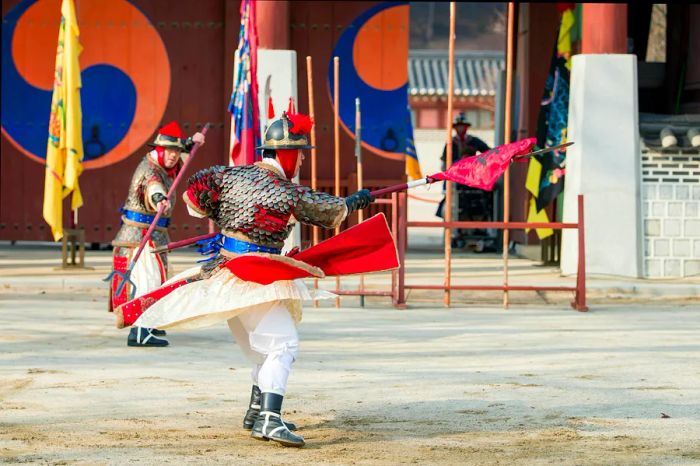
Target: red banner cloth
[[365, 248], [483, 170]]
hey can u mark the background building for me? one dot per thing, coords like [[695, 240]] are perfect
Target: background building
[[149, 61]]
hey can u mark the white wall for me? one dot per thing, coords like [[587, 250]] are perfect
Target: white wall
[[603, 165]]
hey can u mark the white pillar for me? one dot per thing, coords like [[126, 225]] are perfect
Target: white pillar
[[277, 72], [280, 67], [604, 166]]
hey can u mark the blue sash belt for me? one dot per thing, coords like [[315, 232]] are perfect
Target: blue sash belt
[[241, 247], [145, 218], [214, 245]]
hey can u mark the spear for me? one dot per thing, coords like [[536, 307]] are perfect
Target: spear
[[480, 171], [126, 276], [183, 243]]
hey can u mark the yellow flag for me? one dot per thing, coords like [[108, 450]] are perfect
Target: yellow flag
[[534, 172], [564, 39], [64, 150], [413, 168], [538, 217], [412, 164]]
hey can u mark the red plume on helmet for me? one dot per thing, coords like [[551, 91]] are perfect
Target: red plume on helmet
[[301, 124]]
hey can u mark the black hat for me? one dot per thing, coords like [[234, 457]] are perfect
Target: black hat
[[461, 119]]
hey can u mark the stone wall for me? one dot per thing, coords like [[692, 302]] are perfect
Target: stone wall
[[671, 214]]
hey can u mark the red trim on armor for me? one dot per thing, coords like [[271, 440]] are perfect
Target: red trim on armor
[[271, 221], [119, 264], [129, 313]]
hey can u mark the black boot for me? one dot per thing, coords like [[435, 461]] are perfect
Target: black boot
[[139, 336], [158, 333], [269, 425], [254, 410]]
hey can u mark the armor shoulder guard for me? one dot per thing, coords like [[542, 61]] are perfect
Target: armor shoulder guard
[[204, 190], [321, 209]]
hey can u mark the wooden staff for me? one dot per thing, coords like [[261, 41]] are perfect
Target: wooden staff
[[336, 141], [447, 208], [126, 276], [360, 181], [507, 129], [312, 113], [314, 160]]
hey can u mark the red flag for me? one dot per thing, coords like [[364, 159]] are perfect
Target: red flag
[[243, 106], [483, 170]]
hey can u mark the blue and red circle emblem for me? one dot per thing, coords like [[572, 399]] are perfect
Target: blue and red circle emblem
[[373, 52], [125, 75]]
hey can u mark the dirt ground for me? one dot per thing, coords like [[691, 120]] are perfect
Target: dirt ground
[[476, 385]]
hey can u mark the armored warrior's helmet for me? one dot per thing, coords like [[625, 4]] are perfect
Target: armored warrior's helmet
[[170, 135], [461, 119], [290, 131]]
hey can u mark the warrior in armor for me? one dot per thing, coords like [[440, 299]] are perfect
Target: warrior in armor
[[149, 186], [254, 207]]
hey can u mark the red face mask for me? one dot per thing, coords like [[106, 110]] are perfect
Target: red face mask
[[172, 172], [288, 160]]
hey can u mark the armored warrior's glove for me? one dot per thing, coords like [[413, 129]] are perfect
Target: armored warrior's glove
[[157, 197], [358, 200], [189, 144]]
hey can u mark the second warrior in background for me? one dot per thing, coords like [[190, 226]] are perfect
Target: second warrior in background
[[148, 189]]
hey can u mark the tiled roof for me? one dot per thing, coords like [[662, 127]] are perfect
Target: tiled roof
[[476, 73], [651, 125]]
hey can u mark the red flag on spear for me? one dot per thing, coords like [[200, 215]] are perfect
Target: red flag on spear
[[483, 170], [480, 171]]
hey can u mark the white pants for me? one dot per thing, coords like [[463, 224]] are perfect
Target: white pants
[[268, 337]]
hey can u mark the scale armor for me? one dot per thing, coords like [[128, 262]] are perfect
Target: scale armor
[[254, 203], [147, 174]]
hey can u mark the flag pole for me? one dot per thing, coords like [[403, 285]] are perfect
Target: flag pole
[[314, 160], [336, 143], [510, 50], [244, 135], [448, 153], [314, 166]]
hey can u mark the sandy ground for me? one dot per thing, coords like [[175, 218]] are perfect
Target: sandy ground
[[474, 385]]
